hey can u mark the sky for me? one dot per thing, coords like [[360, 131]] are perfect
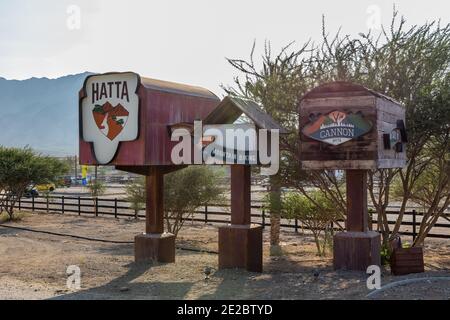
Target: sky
[[175, 40]]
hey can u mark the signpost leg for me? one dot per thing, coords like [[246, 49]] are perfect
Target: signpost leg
[[357, 216], [240, 243], [240, 195], [154, 244], [357, 248], [154, 212]]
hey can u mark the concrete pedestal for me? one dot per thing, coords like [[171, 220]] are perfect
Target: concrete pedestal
[[240, 246], [354, 250], [154, 246]]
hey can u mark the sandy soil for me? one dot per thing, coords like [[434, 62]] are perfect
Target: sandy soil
[[33, 266]]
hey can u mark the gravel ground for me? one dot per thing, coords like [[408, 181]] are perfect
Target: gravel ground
[[33, 266]]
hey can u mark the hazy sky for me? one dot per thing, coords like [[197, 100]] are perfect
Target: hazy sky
[[181, 41]]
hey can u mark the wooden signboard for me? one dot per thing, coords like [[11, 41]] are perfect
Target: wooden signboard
[[345, 126]]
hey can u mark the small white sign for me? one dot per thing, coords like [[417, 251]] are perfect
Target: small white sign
[[110, 112]]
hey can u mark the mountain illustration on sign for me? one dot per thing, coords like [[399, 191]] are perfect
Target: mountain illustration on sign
[[110, 120]]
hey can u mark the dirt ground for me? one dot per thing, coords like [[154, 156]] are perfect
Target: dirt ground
[[33, 266]]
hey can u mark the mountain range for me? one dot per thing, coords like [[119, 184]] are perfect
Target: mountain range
[[41, 113]]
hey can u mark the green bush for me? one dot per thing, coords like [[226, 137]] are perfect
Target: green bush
[[22, 168], [187, 189], [184, 191], [315, 212], [96, 188], [136, 195]]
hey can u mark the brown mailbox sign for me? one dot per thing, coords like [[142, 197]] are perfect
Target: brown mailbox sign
[[347, 126]]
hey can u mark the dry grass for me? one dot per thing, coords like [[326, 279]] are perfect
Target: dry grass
[[33, 265], [17, 216]]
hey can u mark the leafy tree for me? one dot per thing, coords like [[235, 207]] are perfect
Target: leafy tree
[[136, 195], [408, 64], [273, 205], [426, 179], [187, 189], [276, 87], [23, 168], [431, 188]]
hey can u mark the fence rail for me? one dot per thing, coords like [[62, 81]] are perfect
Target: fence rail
[[210, 213]]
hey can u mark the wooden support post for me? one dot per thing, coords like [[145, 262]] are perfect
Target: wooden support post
[[240, 244], [154, 244], [357, 248], [154, 207], [357, 216], [240, 194]]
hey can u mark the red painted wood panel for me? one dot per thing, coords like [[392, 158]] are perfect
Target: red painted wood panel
[[158, 108]]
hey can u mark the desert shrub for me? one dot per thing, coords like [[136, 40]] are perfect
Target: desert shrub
[[187, 189], [315, 212], [136, 195], [96, 188]]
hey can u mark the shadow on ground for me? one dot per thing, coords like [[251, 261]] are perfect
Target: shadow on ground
[[128, 287], [283, 278]]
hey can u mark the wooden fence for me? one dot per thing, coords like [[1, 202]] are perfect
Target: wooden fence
[[217, 214]]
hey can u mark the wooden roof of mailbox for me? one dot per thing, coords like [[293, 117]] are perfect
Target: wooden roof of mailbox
[[231, 108], [177, 88], [343, 88]]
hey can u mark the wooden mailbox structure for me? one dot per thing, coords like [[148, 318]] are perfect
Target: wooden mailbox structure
[[126, 121], [345, 126], [119, 101]]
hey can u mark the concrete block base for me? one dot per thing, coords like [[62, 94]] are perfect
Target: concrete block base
[[356, 250], [154, 246], [240, 246]]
